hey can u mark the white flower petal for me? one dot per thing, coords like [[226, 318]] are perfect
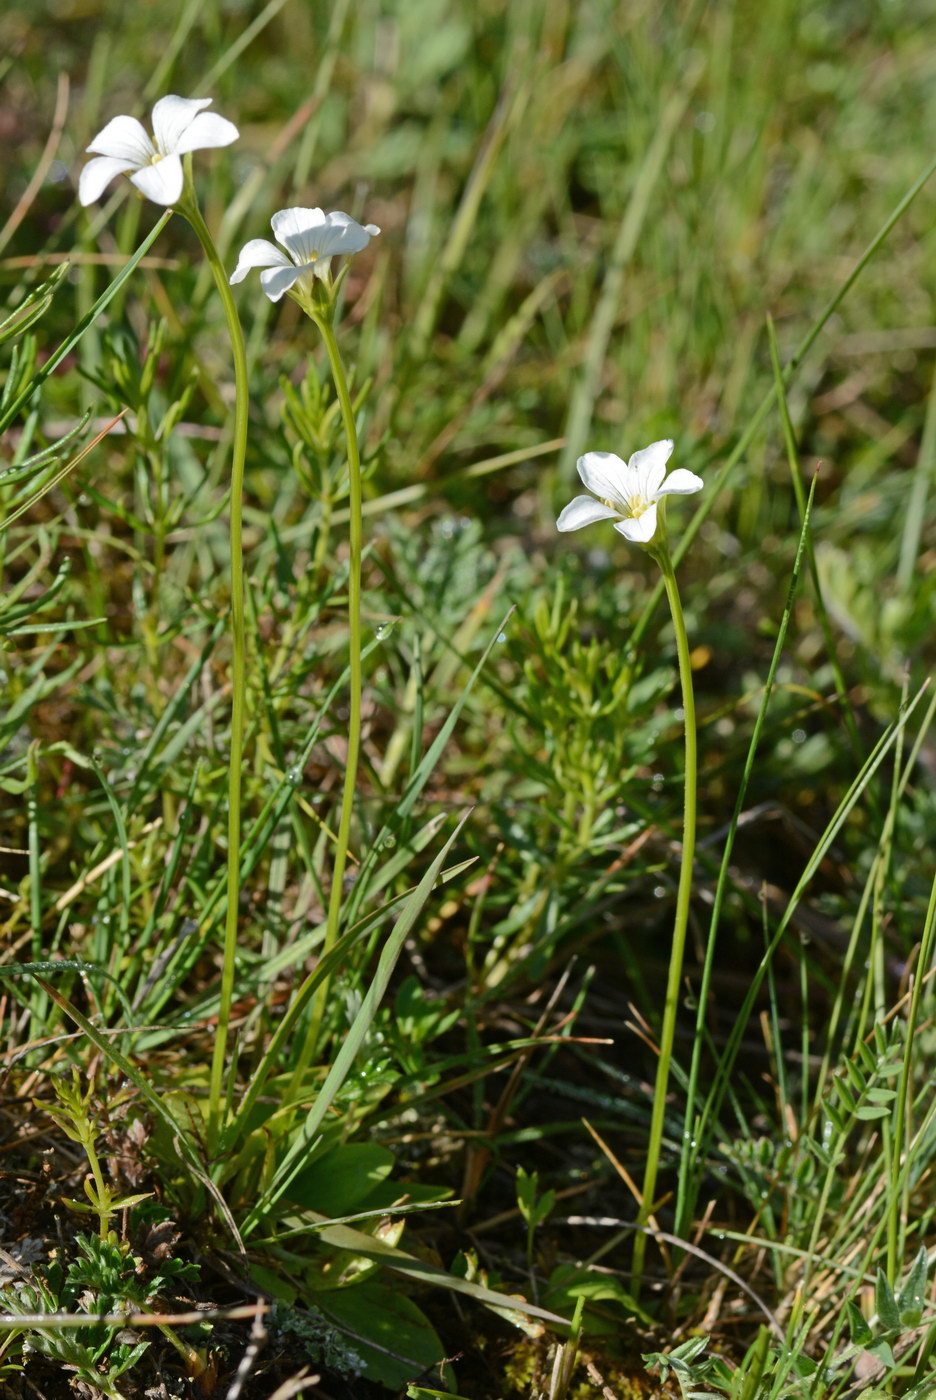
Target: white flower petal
[[606, 475], [296, 220], [342, 234], [277, 280], [259, 252], [650, 465], [124, 138], [97, 175], [171, 117], [298, 230], [640, 529], [584, 510], [162, 182], [206, 131], [310, 236], [681, 483]]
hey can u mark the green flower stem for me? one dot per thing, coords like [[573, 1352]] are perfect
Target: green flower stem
[[189, 207], [323, 319], [195, 1365], [898, 1210], [104, 1211], [662, 555], [355, 641]]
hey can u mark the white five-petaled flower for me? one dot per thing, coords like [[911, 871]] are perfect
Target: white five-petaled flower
[[154, 165], [627, 492], [311, 239]]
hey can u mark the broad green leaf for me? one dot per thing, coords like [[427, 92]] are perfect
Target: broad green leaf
[[393, 1337], [886, 1303], [339, 1181], [569, 1282], [273, 1282], [912, 1296], [883, 1351], [419, 1392], [858, 1327]]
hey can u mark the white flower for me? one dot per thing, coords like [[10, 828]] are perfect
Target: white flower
[[311, 239], [627, 492], [179, 126]]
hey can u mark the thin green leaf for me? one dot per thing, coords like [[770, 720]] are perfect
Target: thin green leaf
[[86, 322], [341, 1066]]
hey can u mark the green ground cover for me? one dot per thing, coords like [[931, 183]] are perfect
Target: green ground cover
[[382, 1120]]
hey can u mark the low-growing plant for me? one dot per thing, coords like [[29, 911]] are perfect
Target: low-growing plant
[[357, 838]]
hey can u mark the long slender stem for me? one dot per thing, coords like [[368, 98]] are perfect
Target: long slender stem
[[684, 891], [239, 667], [696, 1124], [355, 643], [898, 1205]]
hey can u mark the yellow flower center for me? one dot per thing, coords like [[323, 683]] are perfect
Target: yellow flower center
[[634, 506]]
